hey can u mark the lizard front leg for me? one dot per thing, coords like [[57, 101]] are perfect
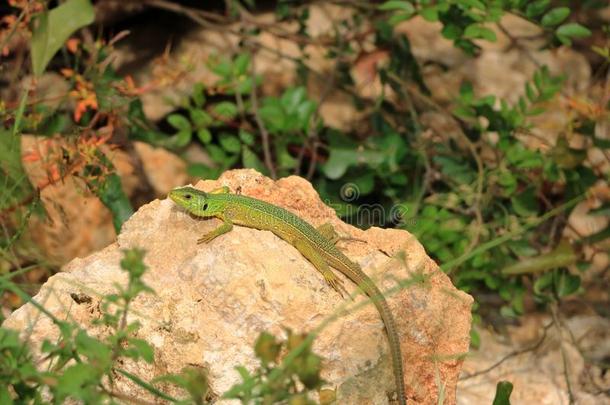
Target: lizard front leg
[[226, 226]]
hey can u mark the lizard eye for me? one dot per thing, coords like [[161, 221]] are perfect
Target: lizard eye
[[187, 196]]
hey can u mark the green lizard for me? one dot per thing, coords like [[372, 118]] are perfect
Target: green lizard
[[315, 244]]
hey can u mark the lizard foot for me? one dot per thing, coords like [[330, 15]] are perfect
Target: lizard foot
[[205, 238], [336, 283]]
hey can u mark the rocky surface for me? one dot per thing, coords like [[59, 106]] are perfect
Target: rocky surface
[[212, 301], [540, 364]]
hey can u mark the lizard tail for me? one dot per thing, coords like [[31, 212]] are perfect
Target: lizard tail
[[370, 289]]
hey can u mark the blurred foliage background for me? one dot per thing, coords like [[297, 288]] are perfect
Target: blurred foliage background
[[482, 127]]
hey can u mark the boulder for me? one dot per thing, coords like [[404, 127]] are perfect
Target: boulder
[[212, 301]]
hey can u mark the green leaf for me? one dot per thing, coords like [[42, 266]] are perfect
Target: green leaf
[[292, 99], [147, 386], [111, 193], [53, 28], [472, 4], [503, 391], [475, 338], [266, 348], [144, 349], [216, 153], [573, 30], [251, 161], [241, 64], [364, 182], [508, 312], [397, 5], [195, 380], [525, 203], [229, 142], [536, 8], [566, 283], [246, 137], [283, 156], [466, 92], [204, 135], [75, 380], [523, 158], [133, 262], [16, 187], [543, 282], [202, 171], [475, 31], [451, 31], [429, 14], [221, 67], [454, 168], [555, 16], [272, 114], [522, 248], [226, 109], [94, 349], [508, 181], [601, 143], [341, 159], [566, 157], [563, 255], [180, 122], [399, 17], [200, 118], [604, 210], [181, 139], [529, 92], [5, 396], [198, 95]]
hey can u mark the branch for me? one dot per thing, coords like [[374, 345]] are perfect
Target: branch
[[519, 352], [261, 125]]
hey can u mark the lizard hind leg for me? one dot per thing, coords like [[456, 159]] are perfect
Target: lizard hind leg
[[220, 190], [320, 264], [328, 231]]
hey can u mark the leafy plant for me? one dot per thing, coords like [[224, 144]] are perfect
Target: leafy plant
[[287, 378], [79, 365], [54, 27], [465, 21]]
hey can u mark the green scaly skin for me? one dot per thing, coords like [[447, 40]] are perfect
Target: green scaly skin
[[315, 244]]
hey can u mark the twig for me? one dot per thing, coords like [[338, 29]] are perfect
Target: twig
[[515, 41], [261, 125], [449, 266], [127, 398], [564, 359], [312, 134], [8, 37], [515, 353]]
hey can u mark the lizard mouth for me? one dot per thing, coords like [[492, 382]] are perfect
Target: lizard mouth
[[180, 197], [173, 195]]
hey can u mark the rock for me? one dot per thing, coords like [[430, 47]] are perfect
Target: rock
[[77, 223], [163, 169], [500, 70], [212, 301]]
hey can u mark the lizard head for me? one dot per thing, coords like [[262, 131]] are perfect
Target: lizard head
[[194, 201]]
